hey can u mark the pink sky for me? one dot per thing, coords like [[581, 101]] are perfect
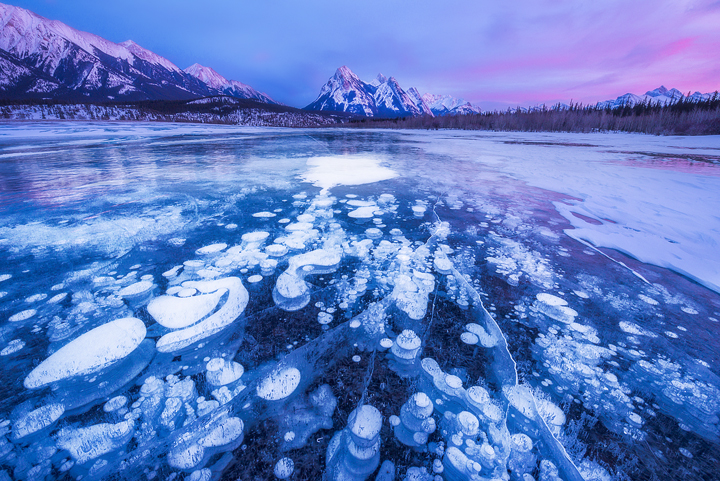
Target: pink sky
[[495, 53]]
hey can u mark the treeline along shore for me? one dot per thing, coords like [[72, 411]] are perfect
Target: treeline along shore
[[682, 117]]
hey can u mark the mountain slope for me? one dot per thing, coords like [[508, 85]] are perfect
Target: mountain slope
[[232, 88], [43, 58]]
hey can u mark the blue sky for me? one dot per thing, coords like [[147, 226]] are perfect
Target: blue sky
[[495, 54]]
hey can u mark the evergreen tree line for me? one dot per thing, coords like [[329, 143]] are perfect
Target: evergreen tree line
[[684, 116]]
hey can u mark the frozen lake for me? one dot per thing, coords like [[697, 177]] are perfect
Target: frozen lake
[[211, 302]]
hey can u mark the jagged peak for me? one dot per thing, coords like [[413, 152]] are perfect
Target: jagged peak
[[345, 72]]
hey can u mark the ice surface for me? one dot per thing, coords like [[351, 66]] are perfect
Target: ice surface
[[480, 306]]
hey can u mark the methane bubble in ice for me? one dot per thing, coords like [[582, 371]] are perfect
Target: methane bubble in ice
[[237, 299], [284, 468], [279, 384], [182, 311], [90, 352]]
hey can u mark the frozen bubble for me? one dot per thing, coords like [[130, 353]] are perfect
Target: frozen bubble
[[453, 382], [90, 352], [408, 340], [686, 453], [299, 227], [581, 294], [469, 423], [284, 221], [264, 215], [252, 237], [176, 241], [396, 232], [289, 436], [521, 443], [137, 289], [115, 404], [199, 475], [36, 298], [386, 343], [478, 395], [4, 277], [671, 334], [632, 328], [254, 279], [57, 298], [365, 423], [89, 443], [13, 346], [178, 312], [172, 272], [551, 300], [221, 372], [235, 304], [22, 315], [469, 338], [635, 419], [689, 310], [324, 318], [356, 358], [648, 300], [186, 292], [211, 249], [442, 264], [228, 431], [173, 290], [367, 212], [279, 384], [37, 420], [231, 226], [394, 420], [284, 468], [419, 210], [373, 233], [276, 250], [306, 218], [193, 265]]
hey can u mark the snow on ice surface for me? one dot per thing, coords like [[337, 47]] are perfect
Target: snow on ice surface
[[327, 172], [444, 266]]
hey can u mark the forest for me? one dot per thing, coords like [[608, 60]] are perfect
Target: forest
[[682, 117]]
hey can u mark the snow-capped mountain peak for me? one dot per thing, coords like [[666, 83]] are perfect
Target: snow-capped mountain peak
[[148, 56], [41, 58], [207, 76], [660, 95], [232, 88], [379, 80], [449, 105], [383, 96]]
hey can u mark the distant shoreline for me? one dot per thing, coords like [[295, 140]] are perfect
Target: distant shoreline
[[680, 118]]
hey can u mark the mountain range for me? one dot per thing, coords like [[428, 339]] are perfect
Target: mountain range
[[45, 59], [660, 95], [41, 58], [382, 97]]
